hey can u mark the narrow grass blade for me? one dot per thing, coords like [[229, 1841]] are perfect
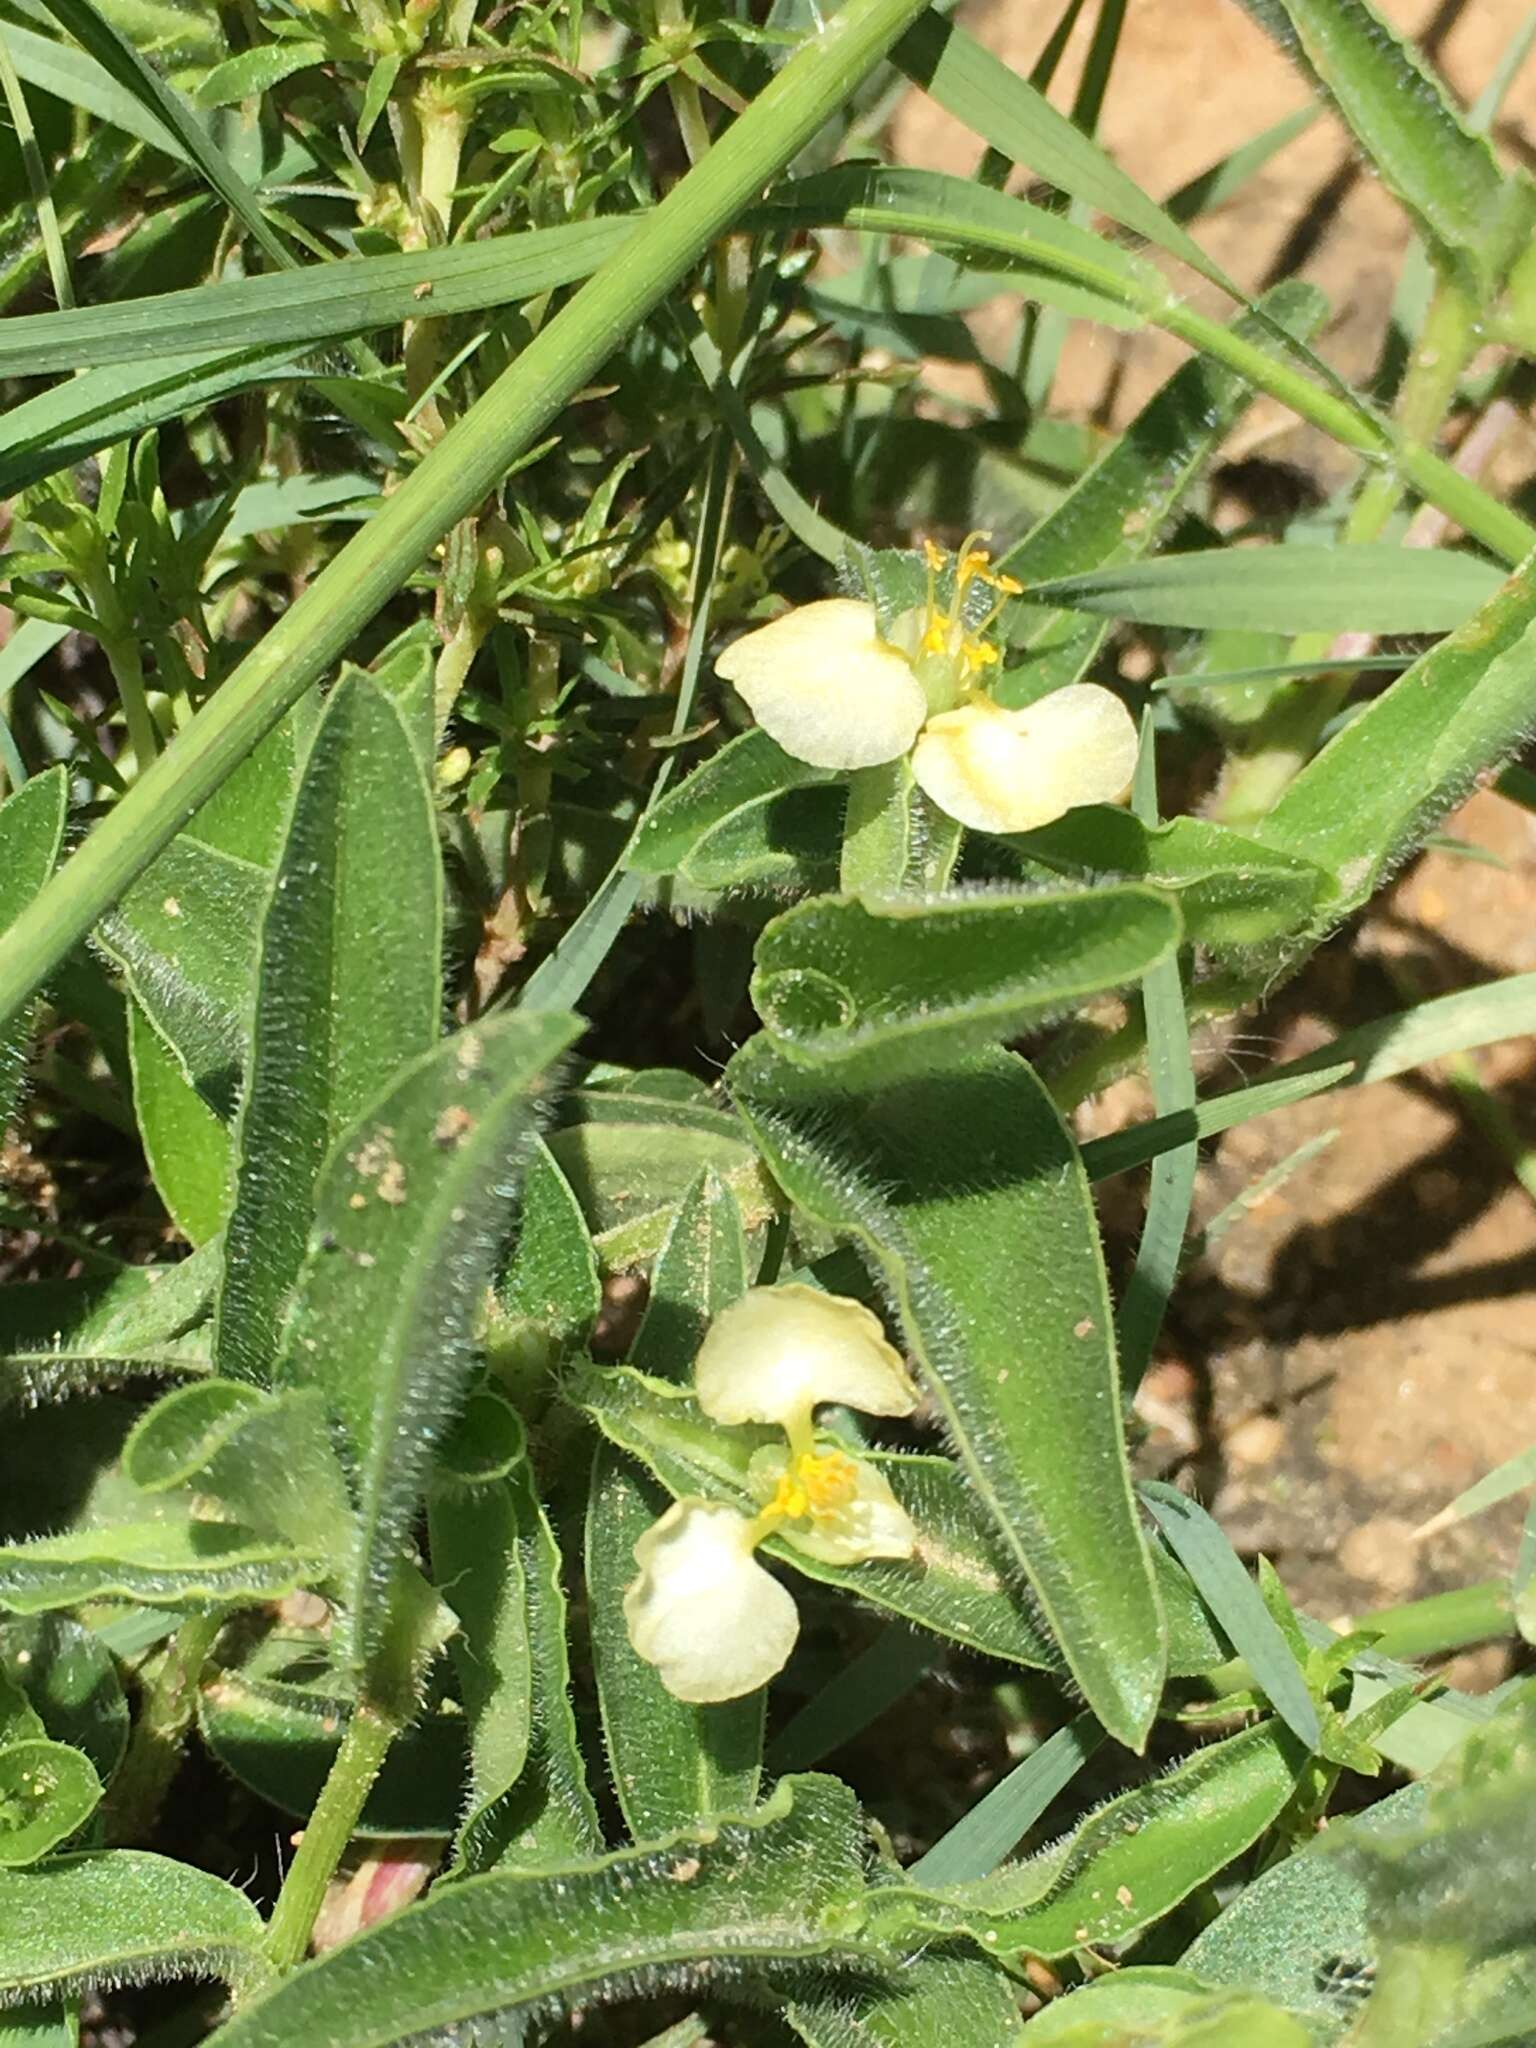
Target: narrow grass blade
[[877, 1678], [1171, 1188], [995, 1825], [1234, 1599], [121, 61]]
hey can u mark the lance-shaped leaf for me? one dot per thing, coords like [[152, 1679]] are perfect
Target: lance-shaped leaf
[[31, 834], [1233, 893], [700, 1269], [1162, 2008], [1425, 153], [1127, 1864], [1381, 784], [184, 937], [348, 990], [491, 1546], [935, 1999], [965, 1191], [478, 1558], [843, 975], [126, 1917], [553, 1293], [48, 1791], [186, 1144], [783, 1886], [66, 1336], [410, 1208]]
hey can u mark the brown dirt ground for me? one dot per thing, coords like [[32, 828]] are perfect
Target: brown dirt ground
[[1362, 1345]]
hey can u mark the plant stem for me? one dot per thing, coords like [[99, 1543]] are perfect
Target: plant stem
[[467, 464], [154, 1753], [323, 1842]]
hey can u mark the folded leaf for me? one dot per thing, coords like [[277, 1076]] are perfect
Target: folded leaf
[[64, 1336], [410, 1209], [48, 1792], [839, 975]]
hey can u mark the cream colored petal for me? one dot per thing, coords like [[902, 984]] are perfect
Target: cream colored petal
[[872, 1524], [703, 1610], [823, 684], [1009, 771], [778, 1352]]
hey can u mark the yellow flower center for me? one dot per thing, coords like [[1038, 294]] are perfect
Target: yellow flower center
[[945, 632], [817, 1483]]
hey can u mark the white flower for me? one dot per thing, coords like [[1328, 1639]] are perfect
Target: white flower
[[778, 1352], [823, 682], [703, 1611], [1009, 771], [830, 1506]]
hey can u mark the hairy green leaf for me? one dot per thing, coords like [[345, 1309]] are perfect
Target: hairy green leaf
[[935, 1999], [65, 1336], [409, 1212], [1127, 1864], [186, 1145], [785, 1885], [160, 1563], [70, 1682], [951, 1184], [348, 990], [840, 975], [31, 834], [121, 1916]]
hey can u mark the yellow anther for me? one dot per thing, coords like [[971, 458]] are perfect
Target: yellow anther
[[980, 653], [936, 637], [1010, 586], [828, 1480], [933, 555]]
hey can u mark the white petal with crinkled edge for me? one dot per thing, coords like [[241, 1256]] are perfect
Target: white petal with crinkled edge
[[822, 682], [779, 1352], [873, 1524], [703, 1611], [1009, 771]]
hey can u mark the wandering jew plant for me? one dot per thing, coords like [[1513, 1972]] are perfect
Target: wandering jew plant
[[598, 773]]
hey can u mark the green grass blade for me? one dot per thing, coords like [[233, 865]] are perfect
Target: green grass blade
[[1368, 588], [323, 302], [1171, 1189], [467, 464], [1235, 1601], [79, 81], [121, 61], [995, 1825]]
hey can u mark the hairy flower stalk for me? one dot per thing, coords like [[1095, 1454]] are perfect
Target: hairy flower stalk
[[825, 683], [703, 1610]]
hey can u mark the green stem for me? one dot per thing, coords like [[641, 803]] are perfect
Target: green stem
[[154, 1752], [323, 1843], [1478, 513], [467, 464]]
